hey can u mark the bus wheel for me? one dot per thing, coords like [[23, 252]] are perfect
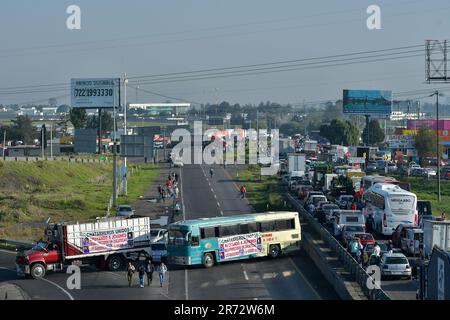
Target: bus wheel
[[115, 263], [208, 260], [274, 251], [37, 271]]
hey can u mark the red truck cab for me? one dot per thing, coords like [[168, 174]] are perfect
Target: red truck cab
[[36, 261]]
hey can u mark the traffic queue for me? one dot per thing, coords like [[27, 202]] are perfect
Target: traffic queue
[[379, 224]]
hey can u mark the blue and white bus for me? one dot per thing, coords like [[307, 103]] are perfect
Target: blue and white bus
[[209, 241]]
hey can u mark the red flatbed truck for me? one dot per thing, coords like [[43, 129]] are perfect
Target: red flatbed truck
[[106, 243]]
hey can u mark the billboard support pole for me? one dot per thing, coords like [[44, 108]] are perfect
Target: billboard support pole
[[99, 131]]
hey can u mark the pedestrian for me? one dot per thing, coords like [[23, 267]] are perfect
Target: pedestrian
[[149, 268], [162, 269], [376, 250], [177, 192], [390, 246], [130, 271], [176, 177], [211, 172], [141, 276], [160, 192], [354, 207], [364, 258], [358, 256], [243, 191], [443, 215]]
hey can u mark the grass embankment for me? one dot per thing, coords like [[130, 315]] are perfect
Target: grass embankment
[[427, 190], [30, 192], [263, 192]]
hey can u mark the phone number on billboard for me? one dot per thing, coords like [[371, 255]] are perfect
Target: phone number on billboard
[[93, 92]]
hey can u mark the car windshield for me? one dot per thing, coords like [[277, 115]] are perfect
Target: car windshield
[[124, 208], [396, 260], [154, 233], [354, 228]]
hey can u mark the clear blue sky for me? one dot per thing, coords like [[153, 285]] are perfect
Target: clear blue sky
[[142, 37]]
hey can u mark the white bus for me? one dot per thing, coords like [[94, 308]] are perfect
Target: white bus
[[389, 206], [369, 181]]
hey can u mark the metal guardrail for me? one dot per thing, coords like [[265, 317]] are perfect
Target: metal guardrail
[[350, 264], [15, 245]]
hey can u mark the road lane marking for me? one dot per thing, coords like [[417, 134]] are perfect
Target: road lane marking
[[8, 269], [304, 278], [6, 251], [245, 275], [59, 287], [186, 291]]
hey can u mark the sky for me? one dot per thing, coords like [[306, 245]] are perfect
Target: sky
[[148, 37]]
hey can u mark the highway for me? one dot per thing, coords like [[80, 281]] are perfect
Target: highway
[[290, 277]]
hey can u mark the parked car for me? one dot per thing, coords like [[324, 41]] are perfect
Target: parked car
[[400, 232], [395, 264], [157, 235], [125, 210]]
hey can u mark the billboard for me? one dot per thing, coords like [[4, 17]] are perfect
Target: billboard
[[400, 141], [376, 103], [94, 93]]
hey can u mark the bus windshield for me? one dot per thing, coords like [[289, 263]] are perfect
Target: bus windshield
[[178, 237]]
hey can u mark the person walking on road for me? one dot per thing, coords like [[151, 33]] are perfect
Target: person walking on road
[[130, 271], [149, 268], [211, 172], [141, 276], [243, 191], [162, 269], [176, 191]]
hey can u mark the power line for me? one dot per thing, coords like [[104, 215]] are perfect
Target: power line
[[164, 96]]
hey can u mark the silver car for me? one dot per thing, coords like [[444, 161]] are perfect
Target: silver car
[[125, 210], [395, 264]]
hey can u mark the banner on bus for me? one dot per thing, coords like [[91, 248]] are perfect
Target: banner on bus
[[238, 246]]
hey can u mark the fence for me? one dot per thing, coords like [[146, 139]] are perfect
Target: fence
[[359, 275], [67, 159], [15, 245]]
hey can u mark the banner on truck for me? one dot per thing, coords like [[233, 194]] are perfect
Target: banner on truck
[[238, 246], [114, 239]]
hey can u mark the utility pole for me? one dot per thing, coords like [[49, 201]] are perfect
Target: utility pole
[[125, 82], [42, 140], [115, 151], [51, 139], [438, 155], [4, 142]]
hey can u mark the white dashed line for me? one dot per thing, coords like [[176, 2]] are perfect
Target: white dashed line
[[59, 287], [245, 275]]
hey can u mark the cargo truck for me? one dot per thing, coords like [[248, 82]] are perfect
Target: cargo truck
[[436, 233], [106, 243]]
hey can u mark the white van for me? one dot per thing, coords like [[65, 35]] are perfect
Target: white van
[[347, 217], [389, 205]]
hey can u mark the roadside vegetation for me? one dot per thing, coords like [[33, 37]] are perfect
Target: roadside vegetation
[[31, 192], [263, 192]]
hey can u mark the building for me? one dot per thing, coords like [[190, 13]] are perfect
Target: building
[[160, 108]]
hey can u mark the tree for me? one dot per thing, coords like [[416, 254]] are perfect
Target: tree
[[22, 129], [425, 143], [341, 132], [107, 122], [290, 128], [78, 117], [376, 134], [53, 102]]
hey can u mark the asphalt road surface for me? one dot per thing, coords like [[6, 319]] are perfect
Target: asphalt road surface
[[289, 277]]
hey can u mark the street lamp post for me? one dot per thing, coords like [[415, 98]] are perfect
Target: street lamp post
[[438, 156], [125, 83]]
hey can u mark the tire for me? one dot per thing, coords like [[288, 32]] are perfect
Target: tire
[[274, 251], [37, 271], [208, 260], [115, 263]]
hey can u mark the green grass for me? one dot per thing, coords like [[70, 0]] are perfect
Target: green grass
[[30, 192], [139, 183], [263, 192]]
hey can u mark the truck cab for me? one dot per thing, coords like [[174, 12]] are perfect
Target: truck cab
[[45, 255]]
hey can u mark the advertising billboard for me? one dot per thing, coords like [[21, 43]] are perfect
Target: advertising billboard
[[94, 93], [376, 103]]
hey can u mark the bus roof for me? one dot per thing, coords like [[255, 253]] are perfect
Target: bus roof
[[232, 219], [387, 189]]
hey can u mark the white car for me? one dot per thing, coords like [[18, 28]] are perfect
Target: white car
[[125, 211], [395, 264]]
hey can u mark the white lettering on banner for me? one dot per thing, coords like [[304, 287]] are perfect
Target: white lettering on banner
[[107, 240], [237, 246]]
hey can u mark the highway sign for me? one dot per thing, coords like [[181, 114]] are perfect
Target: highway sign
[[94, 93]]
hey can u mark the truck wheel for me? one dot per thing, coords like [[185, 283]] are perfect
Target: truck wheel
[[208, 260], [115, 263], [274, 251], [37, 271]]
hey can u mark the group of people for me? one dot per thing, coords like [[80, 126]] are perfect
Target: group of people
[[357, 251], [146, 269], [170, 190]]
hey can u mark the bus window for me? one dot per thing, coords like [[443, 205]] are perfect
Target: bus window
[[253, 227], [267, 226], [243, 229], [226, 231], [206, 233], [195, 241], [284, 225]]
